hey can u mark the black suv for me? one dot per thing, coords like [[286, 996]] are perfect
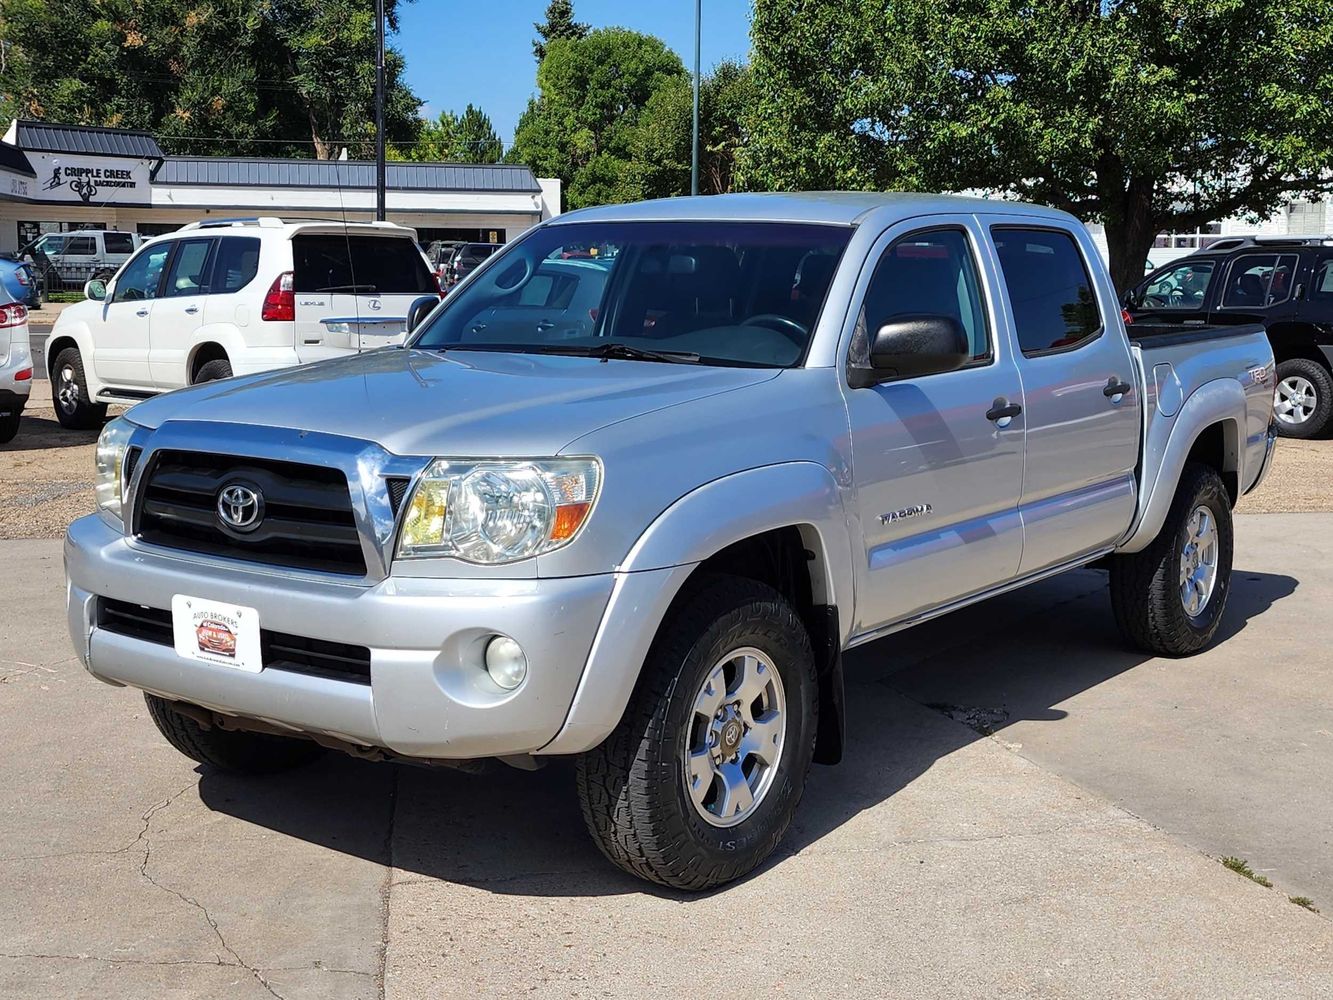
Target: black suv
[[1283, 282], [465, 259]]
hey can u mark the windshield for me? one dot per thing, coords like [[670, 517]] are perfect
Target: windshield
[[701, 292]]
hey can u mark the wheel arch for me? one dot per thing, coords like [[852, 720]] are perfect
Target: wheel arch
[[208, 349]]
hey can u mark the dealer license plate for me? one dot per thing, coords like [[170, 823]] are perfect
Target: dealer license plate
[[226, 634]]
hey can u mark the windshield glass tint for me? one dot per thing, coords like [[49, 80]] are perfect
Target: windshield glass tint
[[360, 264], [732, 293]]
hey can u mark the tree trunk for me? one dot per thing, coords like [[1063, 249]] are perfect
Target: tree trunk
[[1131, 229]]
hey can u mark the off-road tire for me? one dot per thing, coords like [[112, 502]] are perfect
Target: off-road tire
[[9, 426], [1318, 376], [1145, 586], [632, 787], [237, 752], [80, 413], [213, 371]]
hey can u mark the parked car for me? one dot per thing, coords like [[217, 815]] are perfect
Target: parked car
[[15, 364], [231, 297], [67, 260], [1284, 283], [465, 259], [20, 281], [545, 530]]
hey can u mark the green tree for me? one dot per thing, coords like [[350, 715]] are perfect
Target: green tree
[[465, 138], [1142, 114], [591, 94], [242, 77], [661, 148], [559, 23]]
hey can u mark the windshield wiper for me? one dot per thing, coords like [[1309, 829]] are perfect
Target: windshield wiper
[[347, 288], [621, 352]]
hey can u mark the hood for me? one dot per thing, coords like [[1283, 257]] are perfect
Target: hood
[[467, 403]]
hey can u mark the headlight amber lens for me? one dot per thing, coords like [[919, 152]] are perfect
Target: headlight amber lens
[[109, 461], [498, 512]]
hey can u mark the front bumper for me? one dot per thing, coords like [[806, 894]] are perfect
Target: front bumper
[[429, 694]]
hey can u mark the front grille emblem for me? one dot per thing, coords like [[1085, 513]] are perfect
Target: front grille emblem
[[240, 508]]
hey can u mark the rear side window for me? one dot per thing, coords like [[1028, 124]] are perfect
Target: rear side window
[[1050, 290], [365, 265], [82, 245], [187, 268], [1322, 288], [1255, 281], [236, 264], [119, 242]]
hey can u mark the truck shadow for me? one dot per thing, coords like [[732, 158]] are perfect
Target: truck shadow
[[517, 832]]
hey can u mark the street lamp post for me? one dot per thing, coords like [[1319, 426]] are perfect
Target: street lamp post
[[379, 110], [694, 152]]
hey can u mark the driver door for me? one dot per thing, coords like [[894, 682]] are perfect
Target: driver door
[[1177, 293], [121, 339]]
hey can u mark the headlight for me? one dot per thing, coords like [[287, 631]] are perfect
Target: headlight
[[498, 511], [108, 487]]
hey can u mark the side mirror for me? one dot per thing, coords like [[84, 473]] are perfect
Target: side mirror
[[95, 290], [419, 310], [914, 345]]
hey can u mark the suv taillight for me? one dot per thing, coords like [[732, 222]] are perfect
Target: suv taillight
[[14, 315], [279, 302], [1127, 316]]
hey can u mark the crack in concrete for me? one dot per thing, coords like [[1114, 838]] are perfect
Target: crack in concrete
[[387, 887], [146, 819], [219, 962]]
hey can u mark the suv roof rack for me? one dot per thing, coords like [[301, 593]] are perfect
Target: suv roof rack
[[264, 221], [1288, 240]]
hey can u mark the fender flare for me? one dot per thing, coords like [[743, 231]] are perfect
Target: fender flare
[[222, 334], [1215, 402], [698, 525]]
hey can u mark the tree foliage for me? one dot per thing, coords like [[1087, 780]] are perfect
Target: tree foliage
[[662, 145], [591, 95], [465, 138], [267, 77], [559, 23], [1143, 114]]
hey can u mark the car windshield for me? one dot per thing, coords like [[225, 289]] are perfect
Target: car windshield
[[722, 293]]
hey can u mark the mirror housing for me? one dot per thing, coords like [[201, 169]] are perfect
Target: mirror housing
[[912, 345], [420, 309], [95, 290]]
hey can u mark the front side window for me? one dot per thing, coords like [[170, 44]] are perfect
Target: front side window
[[1256, 281], [187, 269], [725, 293], [1050, 291], [1181, 287], [139, 279], [931, 273]]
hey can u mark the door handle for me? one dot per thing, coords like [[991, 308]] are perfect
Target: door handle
[[1115, 389], [1002, 412], [141, 312], [545, 325], [191, 310]]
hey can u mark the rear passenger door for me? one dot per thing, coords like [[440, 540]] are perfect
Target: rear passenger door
[[178, 314], [1080, 404], [937, 470], [1257, 288]]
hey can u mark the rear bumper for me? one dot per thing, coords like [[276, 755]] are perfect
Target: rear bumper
[[429, 694]]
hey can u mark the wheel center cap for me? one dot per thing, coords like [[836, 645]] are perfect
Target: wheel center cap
[[731, 737]]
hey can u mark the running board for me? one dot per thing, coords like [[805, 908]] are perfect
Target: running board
[[125, 395], [1004, 588]]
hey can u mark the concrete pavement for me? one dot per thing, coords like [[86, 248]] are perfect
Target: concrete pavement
[[1066, 856]]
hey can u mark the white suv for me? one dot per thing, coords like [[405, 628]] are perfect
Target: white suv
[[234, 297]]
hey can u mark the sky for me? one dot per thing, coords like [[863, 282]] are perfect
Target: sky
[[481, 50]]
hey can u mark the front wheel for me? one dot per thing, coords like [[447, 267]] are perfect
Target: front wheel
[[1303, 399], [226, 749], [1169, 598], [699, 782], [75, 409]]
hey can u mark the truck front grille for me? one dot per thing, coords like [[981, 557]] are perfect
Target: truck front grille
[[294, 653], [307, 520]]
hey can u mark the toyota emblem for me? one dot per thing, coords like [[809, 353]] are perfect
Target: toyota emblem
[[240, 507]]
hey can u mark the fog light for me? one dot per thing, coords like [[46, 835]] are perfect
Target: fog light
[[505, 662]]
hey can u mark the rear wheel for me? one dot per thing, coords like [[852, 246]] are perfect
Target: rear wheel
[[1169, 599], [75, 409], [699, 782], [213, 371], [243, 753], [1303, 399]]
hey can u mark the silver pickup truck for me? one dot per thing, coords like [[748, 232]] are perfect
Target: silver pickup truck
[[632, 488]]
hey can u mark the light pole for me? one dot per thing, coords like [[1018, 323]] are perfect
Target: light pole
[[694, 152], [379, 110]]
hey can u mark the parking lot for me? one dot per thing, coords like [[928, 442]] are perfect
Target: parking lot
[[1074, 851]]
